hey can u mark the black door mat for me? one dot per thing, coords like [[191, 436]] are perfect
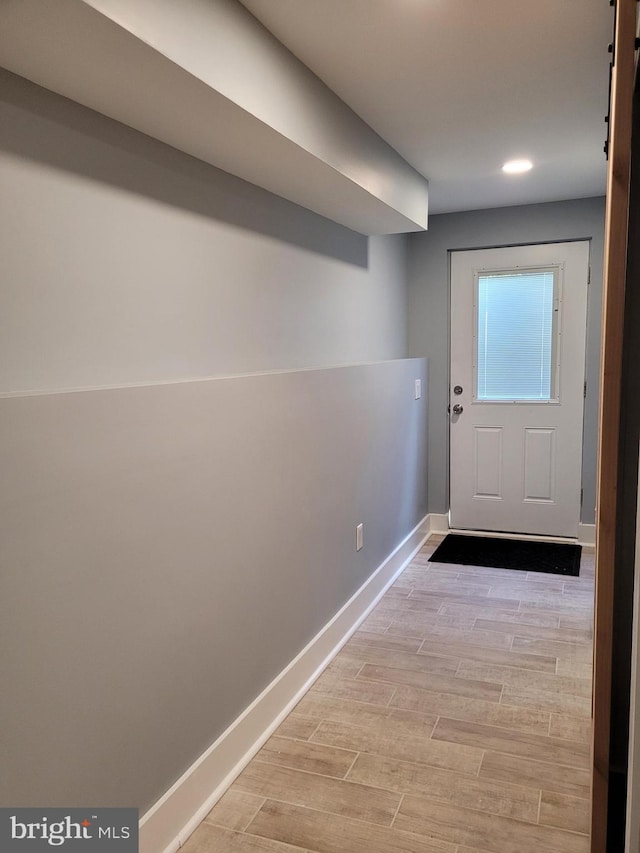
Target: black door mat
[[555, 558]]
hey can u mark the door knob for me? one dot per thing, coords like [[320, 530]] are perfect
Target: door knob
[[458, 409]]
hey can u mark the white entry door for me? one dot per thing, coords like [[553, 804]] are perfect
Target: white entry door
[[518, 322]]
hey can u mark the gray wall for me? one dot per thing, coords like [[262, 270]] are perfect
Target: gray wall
[[167, 548], [428, 311], [125, 261]]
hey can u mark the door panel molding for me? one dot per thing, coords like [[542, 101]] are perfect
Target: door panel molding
[[539, 464], [487, 463]]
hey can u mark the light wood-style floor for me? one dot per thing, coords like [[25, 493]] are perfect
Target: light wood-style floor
[[456, 720]]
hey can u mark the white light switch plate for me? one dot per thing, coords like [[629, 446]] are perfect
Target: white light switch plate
[[418, 389]]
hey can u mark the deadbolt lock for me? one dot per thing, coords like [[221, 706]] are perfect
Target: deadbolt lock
[[457, 389]]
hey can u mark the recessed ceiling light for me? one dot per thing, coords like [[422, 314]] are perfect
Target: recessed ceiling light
[[516, 167]]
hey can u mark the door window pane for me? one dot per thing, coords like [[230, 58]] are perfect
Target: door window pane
[[515, 331]]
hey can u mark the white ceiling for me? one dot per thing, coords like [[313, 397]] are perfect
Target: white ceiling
[[459, 86]]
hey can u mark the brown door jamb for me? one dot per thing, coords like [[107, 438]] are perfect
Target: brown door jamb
[[615, 257]]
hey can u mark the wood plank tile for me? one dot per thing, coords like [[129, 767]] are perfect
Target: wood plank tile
[[370, 716], [420, 625], [397, 590], [526, 583], [424, 604], [486, 639], [580, 653], [555, 604], [422, 567], [343, 667], [433, 583], [391, 741], [216, 839], [421, 560], [435, 682], [415, 572], [574, 781], [334, 796], [312, 757], [444, 786], [484, 573], [571, 728], [501, 661], [537, 632], [466, 849], [451, 571], [376, 621], [325, 833], [466, 651], [363, 691], [581, 588], [577, 620], [562, 703], [585, 586], [418, 566], [431, 546], [235, 810], [548, 682], [557, 750], [398, 599], [385, 641], [424, 598], [400, 660], [443, 570], [471, 709], [565, 812], [574, 669], [551, 581], [467, 826], [297, 727], [533, 594], [550, 620], [398, 613], [423, 564]]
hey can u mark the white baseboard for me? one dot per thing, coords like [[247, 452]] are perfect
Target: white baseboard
[[170, 821], [587, 534], [438, 522]]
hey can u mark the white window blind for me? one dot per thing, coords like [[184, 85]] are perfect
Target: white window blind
[[515, 317]]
